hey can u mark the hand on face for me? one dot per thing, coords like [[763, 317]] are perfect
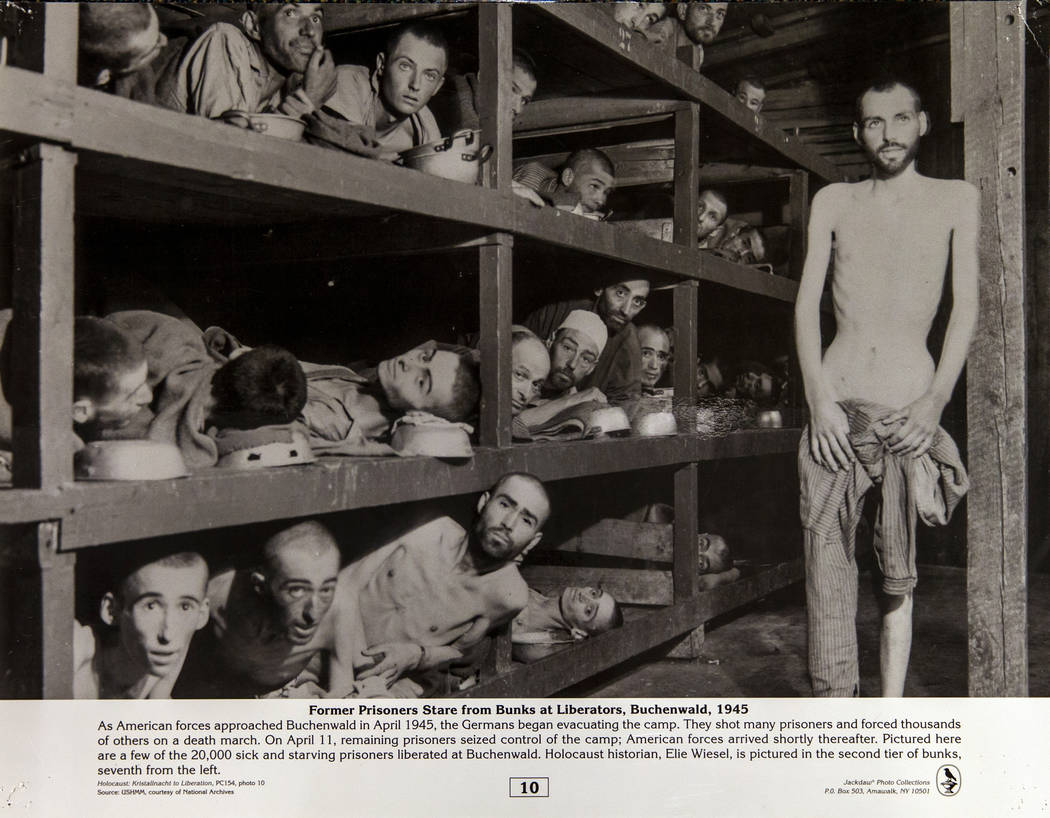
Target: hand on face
[[290, 35]]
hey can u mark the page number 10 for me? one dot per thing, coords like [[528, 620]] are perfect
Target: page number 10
[[529, 787]]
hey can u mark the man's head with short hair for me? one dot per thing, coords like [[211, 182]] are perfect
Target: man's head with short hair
[[411, 68], [109, 374], [713, 555], [751, 92], [589, 611], [702, 21], [261, 387], [529, 366], [575, 347], [510, 517], [619, 303], [523, 81], [588, 177], [639, 17], [888, 123], [156, 607], [297, 578], [748, 246], [656, 353], [754, 380], [116, 39], [427, 378], [711, 211], [287, 33]]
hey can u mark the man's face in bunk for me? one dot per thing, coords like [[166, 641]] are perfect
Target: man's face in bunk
[[128, 395], [510, 518], [656, 352], [753, 98], [639, 17], [889, 127], [522, 88], [290, 33], [411, 74], [619, 304], [573, 357], [590, 184], [587, 609], [747, 246], [702, 21], [423, 378], [299, 578], [530, 365], [713, 556], [710, 213], [755, 384], [158, 610], [709, 379]]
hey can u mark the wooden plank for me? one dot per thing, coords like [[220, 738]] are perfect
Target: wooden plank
[[686, 330], [550, 114], [41, 332], [496, 284], [623, 538], [813, 28], [798, 206], [633, 586], [98, 513], [682, 80], [598, 653], [686, 502], [997, 533], [60, 41], [41, 615], [35, 106], [958, 91], [495, 43], [686, 184]]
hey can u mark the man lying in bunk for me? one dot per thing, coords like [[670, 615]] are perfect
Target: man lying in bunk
[[750, 91], [273, 61], [702, 22], [655, 344], [121, 49], [575, 348], [520, 88], [711, 212], [618, 371], [351, 413], [277, 629], [738, 241], [109, 382], [199, 396], [432, 594], [576, 613], [581, 186], [147, 618], [384, 111]]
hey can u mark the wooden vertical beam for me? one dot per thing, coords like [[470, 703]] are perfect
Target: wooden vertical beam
[[992, 75], [495, 47], [60, 41], [42, 327], [495, 282], [41, 627], [798, 207]]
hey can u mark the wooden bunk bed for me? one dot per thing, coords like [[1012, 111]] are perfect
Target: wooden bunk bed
[[81, 152]]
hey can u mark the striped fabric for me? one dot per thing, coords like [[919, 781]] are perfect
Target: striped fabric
[[538, 177], [929, 488]]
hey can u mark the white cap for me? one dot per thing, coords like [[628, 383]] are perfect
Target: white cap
[[589, 323]]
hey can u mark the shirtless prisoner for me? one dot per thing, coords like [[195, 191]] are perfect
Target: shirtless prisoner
[[889, 238]]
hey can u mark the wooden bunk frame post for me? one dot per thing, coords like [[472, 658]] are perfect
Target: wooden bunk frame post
[[798, 209], [495, 47], [42, 614], [495, 283], [41, 335], [988, 95]]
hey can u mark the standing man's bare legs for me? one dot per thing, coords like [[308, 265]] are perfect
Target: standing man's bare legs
[[895, 643]]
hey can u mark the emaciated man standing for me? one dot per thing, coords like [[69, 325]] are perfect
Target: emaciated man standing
[[876, 397]]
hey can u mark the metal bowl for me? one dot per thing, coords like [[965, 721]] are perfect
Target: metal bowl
[[457, 157]]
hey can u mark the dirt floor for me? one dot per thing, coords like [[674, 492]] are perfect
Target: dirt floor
[[761, 651]]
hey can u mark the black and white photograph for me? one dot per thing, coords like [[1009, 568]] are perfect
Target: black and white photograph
[[521, 352]]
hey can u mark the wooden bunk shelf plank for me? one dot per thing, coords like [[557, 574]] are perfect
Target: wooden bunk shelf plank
[[549, 116], [653, 61], [748, 279], [98, 513], [592, 656]]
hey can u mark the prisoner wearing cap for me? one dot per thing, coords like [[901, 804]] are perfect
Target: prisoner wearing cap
[[590, 324]]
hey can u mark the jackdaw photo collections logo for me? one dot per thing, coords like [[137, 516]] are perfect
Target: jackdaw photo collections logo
[[949, 779]]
